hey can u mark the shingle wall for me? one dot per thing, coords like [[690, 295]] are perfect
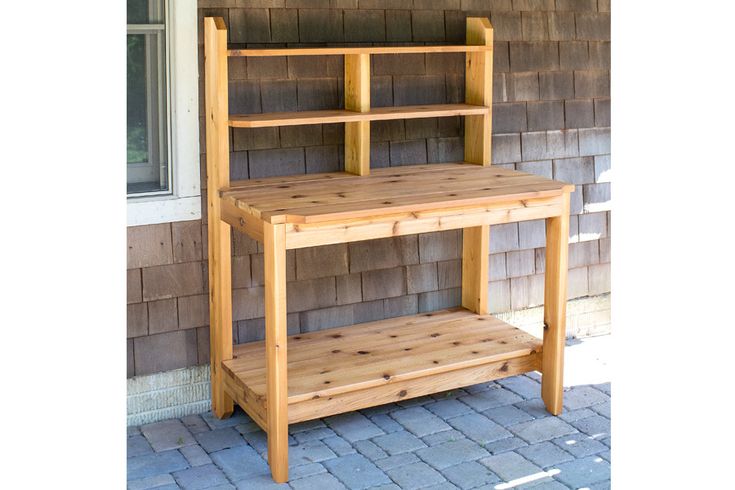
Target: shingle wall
[[551, 116]]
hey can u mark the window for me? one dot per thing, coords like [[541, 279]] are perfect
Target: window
[[147, 146], [162, 112]]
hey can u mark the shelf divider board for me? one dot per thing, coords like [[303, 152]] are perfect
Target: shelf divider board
[[218, 176], [272, 119], [340, 50], [357, 98]]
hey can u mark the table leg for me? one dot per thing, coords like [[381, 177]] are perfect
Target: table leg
[[274, 241], [555, 305]]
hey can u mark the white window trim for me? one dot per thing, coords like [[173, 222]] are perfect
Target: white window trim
[[184, 203]]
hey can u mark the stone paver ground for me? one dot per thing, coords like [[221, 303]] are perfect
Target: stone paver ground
[[488, 436]]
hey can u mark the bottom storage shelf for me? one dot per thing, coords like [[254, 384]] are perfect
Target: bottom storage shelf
[[348, 368]]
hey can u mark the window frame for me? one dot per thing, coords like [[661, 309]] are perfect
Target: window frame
[[182, 201]]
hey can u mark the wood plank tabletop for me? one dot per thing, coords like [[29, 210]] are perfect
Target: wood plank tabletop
[[333, 196]]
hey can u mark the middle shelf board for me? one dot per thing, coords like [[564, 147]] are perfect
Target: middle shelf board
[[336, 369], [272, 119]]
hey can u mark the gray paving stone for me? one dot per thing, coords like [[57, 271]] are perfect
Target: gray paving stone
[[510, 466], [448, 408], [391, 462], [157, 481], [507, 415], [309, 452], [356, 471], [505, 445], [451, 453], [571, 416], [602, 409], [339, 445], [138, 446], [545, 484], [534, 407], [200, 477], [155, 464], [443, 436], [470, 475], [545, 454], [479, 428], [219, 439], [522, 385], [603, 387], [306, 426], [541, 429], [195, 424], [305, 470], [370, 450], [420, 421], [166, 435], [247, 428], [583, 396], [133, 430], [415, 475], [445, 485], [240, 463], [260, 482], [314, 435], [195, 455], [354, 426], [494, 397], [386, 423], [323, 481], [258, 440], [580, 445], [582, 472], [237, 417], [399, 442], [596, 426]]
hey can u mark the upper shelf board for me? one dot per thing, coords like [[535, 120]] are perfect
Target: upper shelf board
[[340, 115], [342, 50]]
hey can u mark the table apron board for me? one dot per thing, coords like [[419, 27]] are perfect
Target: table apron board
[[300, 235]]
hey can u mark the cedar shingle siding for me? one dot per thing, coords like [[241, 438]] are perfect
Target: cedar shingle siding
[[551, 117]]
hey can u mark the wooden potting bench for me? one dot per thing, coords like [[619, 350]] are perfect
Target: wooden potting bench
[[343, 369]]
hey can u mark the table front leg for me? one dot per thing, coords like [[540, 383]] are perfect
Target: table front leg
[[555, 306], [274, 242]]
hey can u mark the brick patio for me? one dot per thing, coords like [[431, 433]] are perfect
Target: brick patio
[[493, 435]]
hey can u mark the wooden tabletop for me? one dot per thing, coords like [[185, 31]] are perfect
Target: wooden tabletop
[[334, 196]]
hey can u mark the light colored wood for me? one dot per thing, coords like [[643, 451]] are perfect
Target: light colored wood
[[276, 378], [243, 396], [279, 119], [475, 263], [357, 98], [338, 50], [479, 91], [389, 191], [242, 222], [218, 232], [310, 235], [555, 302], [404, 390], [336, 370]]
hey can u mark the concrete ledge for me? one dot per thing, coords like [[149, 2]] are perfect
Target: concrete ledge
[[185, 391]]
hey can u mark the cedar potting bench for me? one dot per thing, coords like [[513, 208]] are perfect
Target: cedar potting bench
[[342, 369]]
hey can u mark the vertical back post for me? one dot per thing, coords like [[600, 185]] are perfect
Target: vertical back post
[[218, 176], [357, 98], [477, 137]]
